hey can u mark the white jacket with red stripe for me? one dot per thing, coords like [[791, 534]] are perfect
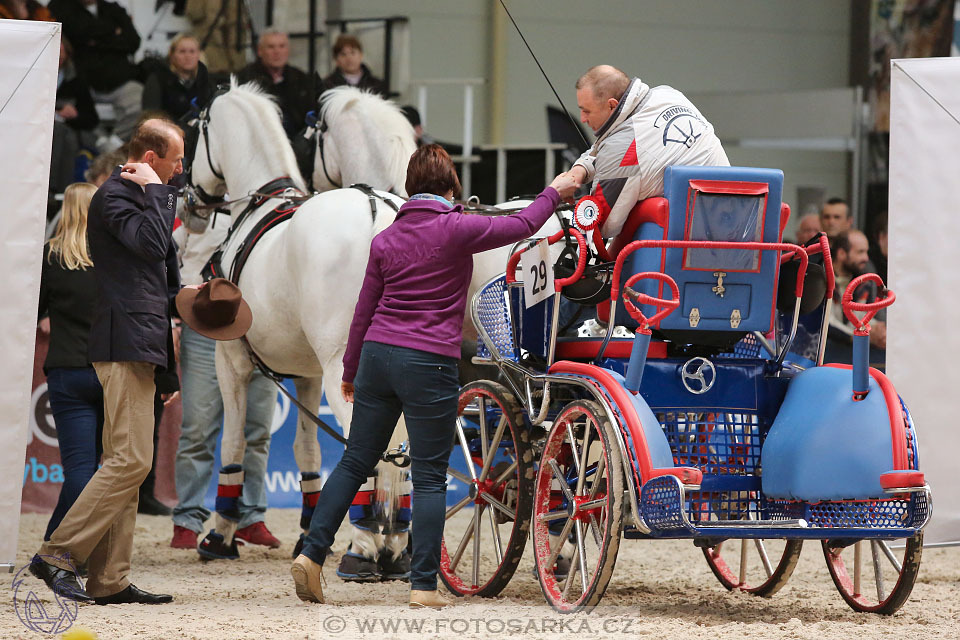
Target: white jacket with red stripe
[[650, 130]]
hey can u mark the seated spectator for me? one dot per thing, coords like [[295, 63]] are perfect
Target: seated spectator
[[74, 121], [348, 56], [294, 89], [849, 253], [835, 217], [24, 10], [808, 227], [104, 39], [413, 117], [174, 88], [878, 248]]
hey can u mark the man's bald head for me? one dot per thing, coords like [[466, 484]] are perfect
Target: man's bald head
[[605, 81], [159, 143]]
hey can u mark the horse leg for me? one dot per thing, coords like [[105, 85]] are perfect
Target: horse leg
[[394, 499], [234, 369], [306, 452]]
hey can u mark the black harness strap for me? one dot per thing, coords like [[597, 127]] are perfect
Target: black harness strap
[[372, 197]]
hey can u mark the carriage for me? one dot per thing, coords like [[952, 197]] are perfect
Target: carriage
[[709, 416]]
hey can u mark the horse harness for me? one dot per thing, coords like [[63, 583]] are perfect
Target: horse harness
[[293, 197]]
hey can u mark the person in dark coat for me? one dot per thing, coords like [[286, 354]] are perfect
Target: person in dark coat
[[129, 228], [104, 40], [175, 88], [348, 55], [294, 89]]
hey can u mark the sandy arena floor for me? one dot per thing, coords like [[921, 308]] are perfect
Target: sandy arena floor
[[659, 590]]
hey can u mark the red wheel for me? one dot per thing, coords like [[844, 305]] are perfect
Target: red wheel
[[871, 576], [579, 494], [748, 565], [482, 545]]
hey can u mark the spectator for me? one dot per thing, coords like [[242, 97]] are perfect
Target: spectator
[[633, 145], [807, 228], [203, 417], [878, 248], [835, 217], [175, 88], [348, 56], [68, 292], [413, 117], [104, 164], [130, 223], [849, 252], [222, 29], [295, 90], [24, 10], [73, 123], [104, 39]]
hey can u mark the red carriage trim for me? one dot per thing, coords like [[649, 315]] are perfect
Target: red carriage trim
[[686, 475], [898, 433], [588, 348], [229, 490], [902, 479], [363, 498]]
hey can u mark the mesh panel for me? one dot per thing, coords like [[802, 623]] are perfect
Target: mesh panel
[[748, 347], [714, 441], [492, 310], [895, 513], [660, 504]]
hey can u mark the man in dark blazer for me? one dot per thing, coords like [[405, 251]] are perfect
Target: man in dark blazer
[[129, 229]]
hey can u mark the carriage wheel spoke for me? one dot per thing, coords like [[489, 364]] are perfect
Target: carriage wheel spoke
[[552, 560], [482, 403], [877, 570], [553, 515], [463, 544], [763, 558], [492, 449], [465, 449], [856, 569], [507, 511], [558, 475], [574, 453], [574, 566], [495, 534], [459, 476], [598, 479], [509, 471], [582, 557], [595, 529], [743, 561], [476, 544], [455, 508], [582, 467], [892, 558]]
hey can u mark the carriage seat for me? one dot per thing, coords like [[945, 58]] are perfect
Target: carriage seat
[[589, 348], [724, 294]]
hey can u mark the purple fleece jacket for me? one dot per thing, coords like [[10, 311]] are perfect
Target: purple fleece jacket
[[415, 289]]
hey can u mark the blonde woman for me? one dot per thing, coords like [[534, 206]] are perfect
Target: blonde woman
[[68, 292], [174, 88]]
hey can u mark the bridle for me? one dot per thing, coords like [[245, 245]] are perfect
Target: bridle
[[209, 201], [322, 129]]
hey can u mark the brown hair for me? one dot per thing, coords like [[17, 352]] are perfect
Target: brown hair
[[605, 81], [345, 40], [154, 135], [431, 171]]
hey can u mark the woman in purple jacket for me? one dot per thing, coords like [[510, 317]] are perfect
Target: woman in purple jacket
[[402, 357]]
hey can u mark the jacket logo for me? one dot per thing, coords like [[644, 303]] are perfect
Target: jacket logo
[[680, 125], [416, 254], [170, 198]]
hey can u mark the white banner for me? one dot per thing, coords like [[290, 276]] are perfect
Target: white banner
[[924, 228], [29, 55]]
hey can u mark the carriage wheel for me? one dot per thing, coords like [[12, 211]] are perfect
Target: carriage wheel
[[491, 455], [579, 493], [873, 577], [751, 557]]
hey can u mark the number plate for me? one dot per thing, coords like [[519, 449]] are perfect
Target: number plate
[[537, 274]]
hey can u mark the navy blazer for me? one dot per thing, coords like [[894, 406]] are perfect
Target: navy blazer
[[135, 260]]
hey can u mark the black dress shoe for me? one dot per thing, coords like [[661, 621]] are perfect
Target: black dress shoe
[[132, 595], [60, 581], [213, 547], [150, 506]]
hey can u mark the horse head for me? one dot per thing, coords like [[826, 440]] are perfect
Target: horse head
[[362, 138]]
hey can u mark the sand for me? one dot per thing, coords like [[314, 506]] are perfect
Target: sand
[[661, 589]]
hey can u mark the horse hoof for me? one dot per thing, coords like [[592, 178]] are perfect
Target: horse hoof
[[355, 568], [213, 547], [398, 569], [298, 548]]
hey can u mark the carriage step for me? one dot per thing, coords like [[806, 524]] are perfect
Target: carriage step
[[752, 524]]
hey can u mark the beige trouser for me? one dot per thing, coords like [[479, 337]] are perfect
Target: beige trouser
[[98, 528]]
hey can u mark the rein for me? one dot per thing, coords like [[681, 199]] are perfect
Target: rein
[[323, 158]]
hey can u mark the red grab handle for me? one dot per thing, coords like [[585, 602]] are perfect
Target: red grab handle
[[869, 308], [511, 275], [667, 305]]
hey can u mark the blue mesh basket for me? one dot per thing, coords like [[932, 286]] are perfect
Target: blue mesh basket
[[496, 330]]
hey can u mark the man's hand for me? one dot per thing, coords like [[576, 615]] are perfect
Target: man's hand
[[565, 184], [68, 112], [346, 390], [44, 326], [169, 397], [878, 335], [578, 173], [141, 173], [175, 330]]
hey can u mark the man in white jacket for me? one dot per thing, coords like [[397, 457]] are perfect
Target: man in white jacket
[[640, 132]]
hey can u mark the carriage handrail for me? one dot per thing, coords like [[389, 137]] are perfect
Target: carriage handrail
[[706, 244], [870, 308], [822, 247], [562, 282], [642, 298]]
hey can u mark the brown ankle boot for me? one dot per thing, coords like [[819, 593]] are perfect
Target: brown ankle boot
[[427, 599], [307, 579]]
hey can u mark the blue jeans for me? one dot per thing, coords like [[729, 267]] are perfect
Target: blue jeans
[[76, 400], [424, 387], [202, 422]]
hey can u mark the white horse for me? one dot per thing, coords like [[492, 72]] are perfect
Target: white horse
[[301, 281], [362, 139]]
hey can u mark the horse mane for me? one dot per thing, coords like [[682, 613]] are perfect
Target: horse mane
[[379, 117], [262, 112]]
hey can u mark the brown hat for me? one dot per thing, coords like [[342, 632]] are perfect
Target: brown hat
[[215, 310]]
